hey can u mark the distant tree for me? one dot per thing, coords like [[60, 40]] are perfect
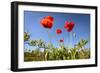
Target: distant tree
[[26, 36]]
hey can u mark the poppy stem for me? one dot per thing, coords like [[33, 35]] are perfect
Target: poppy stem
[[66, 43], [74, 39], [49, 36], [70, 39]]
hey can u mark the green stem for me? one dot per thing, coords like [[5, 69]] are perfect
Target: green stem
[[46, 53], [70, 39], [49, 36], [66, 43]]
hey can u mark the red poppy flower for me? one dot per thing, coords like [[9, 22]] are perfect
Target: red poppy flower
[[49, 17], [61, 40], [69, 26], [58, 31], [47, 22]]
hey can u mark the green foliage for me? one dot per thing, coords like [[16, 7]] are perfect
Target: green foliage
[[38, 43], [53, 53], [81, 43]]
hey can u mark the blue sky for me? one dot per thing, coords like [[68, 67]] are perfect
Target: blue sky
[[33, 27]]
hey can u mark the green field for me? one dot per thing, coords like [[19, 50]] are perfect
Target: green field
[[50, 52]]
